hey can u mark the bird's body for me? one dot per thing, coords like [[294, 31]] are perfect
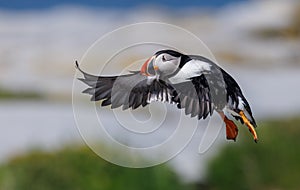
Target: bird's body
[[194, 83]]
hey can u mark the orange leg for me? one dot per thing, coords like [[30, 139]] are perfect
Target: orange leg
[[231, 128], [249, 125]]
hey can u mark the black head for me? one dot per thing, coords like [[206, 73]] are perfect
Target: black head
[[164, 63], [170, 52], [184, 58]]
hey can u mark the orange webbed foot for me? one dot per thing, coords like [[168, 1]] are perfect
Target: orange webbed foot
[[249, 125], [231, 128]]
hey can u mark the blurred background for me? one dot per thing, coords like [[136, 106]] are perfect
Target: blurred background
[[40, 146]]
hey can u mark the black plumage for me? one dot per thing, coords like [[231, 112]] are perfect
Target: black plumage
[[200, 88]]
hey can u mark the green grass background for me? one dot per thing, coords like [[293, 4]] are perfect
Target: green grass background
[[273, 163]]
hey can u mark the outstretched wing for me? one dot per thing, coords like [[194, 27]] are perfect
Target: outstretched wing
[[129, 91], [200, 87], [195, 97]]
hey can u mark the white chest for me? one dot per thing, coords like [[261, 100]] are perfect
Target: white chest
[[191, 69]]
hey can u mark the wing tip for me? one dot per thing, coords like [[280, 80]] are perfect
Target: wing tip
[[77, 67]]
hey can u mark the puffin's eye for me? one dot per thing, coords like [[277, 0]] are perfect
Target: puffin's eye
[[163, 58]]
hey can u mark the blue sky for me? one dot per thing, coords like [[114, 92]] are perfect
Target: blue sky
[[44, 4]]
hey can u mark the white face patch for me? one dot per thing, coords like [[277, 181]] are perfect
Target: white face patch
[[167, 64], [191, 69]]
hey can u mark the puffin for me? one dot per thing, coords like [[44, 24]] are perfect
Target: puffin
[[191, 82]]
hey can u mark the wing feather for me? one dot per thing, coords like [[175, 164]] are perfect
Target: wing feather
[[129, 91], [134, 90]]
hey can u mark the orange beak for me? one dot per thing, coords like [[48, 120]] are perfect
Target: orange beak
[[148, 66]]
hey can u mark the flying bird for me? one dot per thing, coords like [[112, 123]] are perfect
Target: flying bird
[[191, 82]]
